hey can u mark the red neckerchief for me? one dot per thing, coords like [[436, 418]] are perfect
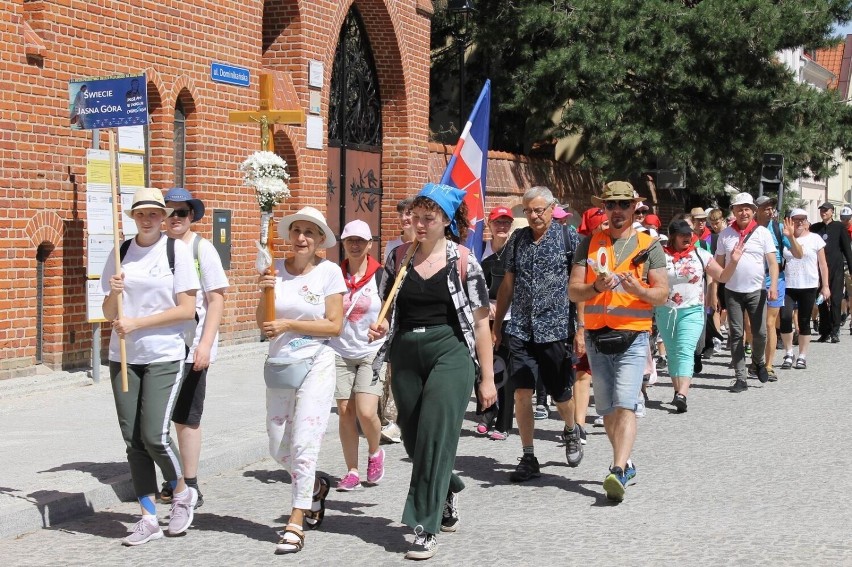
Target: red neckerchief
[[372, 267], [745, 231], [678, 256], [705, 235]]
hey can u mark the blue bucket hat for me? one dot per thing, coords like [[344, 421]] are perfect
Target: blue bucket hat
[[447, 197], [181, 195]]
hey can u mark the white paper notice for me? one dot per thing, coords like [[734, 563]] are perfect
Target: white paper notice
[[99, 213], [97, 253], [94, 302], [131, 139], [315, 71], [314, 132], [128, 225]]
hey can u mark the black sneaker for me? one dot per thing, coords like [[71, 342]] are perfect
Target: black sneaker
[[450, 515], [762, 373], [699, 366], [573, 446], [527, 468], [200, 501], [425, 545], [738, 386], [834, 338], [823, 339], [679, 402], [166, 493]]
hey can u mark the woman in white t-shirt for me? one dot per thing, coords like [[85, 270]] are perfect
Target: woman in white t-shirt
[[308, 311], [360, 368], [157, 287], [802, 276], [681, 319]]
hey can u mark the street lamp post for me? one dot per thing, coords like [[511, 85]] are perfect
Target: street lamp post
[[461, 11]]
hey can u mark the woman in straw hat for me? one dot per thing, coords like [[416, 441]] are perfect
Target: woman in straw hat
[[157, 286], [437, 331], [308, 311]]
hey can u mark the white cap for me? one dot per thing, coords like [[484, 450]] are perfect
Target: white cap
[[743, 199], [802, 213], [642, 205], [639, 226], [356, 228], [846, 212]]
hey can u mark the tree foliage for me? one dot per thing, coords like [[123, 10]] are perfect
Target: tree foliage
[[698, 81]]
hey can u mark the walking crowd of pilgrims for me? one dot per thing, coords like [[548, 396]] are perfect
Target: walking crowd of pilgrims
[[552, 315]]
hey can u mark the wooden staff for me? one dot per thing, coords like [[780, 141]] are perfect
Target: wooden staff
[[269, 292], [122, 345], [400, 274]]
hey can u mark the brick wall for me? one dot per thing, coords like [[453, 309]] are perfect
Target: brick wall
[[42, 162]]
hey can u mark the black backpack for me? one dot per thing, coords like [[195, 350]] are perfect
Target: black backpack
[[170, 251]]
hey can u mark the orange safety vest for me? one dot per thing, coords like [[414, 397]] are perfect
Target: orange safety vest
[[616, 308]]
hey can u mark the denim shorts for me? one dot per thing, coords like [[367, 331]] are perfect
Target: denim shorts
[[617, 378], [782, 291]]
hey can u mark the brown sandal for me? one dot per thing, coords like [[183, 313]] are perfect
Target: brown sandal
[[314, 518], [288, 545]]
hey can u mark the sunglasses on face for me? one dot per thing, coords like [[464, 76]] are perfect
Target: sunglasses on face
[[623, 205], [180, 213]]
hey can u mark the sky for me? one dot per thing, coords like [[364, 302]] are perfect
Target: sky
[[844, 30]]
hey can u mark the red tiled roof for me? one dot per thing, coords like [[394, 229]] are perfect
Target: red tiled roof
[[831, 58]]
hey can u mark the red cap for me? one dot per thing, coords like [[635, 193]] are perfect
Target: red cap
[[653, 220], [592, 219], [498, 212]]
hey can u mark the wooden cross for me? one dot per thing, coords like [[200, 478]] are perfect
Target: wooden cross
[[265, 116]]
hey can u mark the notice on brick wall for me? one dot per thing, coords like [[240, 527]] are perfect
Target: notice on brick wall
[[97, 171], [99, 213], [314, 133], [97, 252], [95, 302]]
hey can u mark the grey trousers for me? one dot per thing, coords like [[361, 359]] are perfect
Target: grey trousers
[[738, 304], [145, 415]]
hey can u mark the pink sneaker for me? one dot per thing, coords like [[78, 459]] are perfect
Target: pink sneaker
[[498, 435], [349, 482], [376, 468], [482, 429]]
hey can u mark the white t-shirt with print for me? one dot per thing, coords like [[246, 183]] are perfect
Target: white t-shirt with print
[[686, 279], [804, 273], [353, 341], [749, 275], [302, 298], [212, 277], [150, 288]]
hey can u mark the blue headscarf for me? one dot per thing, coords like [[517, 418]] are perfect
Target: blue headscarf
[[448, 198]]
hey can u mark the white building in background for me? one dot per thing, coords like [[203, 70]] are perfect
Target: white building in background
[[803, 64]]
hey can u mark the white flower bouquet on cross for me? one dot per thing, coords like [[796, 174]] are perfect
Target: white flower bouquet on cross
[[266, 172]]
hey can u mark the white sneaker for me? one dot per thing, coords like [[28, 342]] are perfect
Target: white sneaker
[[391, 433], [183, 511], [599, 421], [717, 346], [640, 409], [143, 532]]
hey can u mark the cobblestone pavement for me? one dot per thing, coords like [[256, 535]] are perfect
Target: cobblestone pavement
[[757, 478]]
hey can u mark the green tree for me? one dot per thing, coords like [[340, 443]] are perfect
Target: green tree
[[698, 81]]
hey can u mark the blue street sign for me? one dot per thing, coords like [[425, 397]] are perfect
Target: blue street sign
[[230, 75], [107, 102]]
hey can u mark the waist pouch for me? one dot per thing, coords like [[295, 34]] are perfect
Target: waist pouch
[[285, 372], [610, 341]]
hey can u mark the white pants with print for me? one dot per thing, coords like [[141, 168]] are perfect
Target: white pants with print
[[296, 421]]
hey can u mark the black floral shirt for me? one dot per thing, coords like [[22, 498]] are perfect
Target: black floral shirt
[[540, 300]]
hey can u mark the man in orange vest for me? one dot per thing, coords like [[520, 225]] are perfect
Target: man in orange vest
[[620, 274]]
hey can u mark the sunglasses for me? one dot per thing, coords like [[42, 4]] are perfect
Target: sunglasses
[[643, 256], [181, 213], [623, 205]]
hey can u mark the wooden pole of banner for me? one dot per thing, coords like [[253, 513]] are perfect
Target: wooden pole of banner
[[266, 117], [116, 200]]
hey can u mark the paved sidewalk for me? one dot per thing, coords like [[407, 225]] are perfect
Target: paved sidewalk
[[757, 478], [62, 451]]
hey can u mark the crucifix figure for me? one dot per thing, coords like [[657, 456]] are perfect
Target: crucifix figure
[[266, 117]]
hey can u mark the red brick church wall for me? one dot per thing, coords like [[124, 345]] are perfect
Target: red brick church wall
[[42, 162]]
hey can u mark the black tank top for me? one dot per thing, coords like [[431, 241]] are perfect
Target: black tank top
[[425, 303]]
